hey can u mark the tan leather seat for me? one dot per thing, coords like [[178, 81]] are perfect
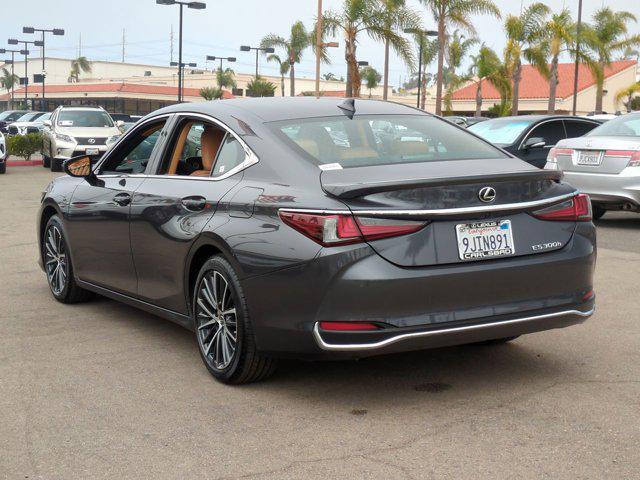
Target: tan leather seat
[[210, 142]]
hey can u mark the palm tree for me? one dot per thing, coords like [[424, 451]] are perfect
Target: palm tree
[[525, 38], [356, 17], [487, 65], [78, 65], [457, 13], [284, 68], [429, 54], [627, 94], [603, 39], [299, 39], [371, 78], [397, 18], [457, 49], [224, 78], [561, 33], [211, 93], [259, 87], [630, 53], [7, 81]]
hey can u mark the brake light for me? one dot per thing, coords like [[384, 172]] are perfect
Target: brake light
[[554, 152], [348, 326], [343, 229], [576, 209]]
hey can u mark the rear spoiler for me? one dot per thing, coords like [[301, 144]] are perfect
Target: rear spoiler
[[357, 182]]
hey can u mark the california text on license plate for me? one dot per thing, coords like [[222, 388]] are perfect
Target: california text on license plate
[[481, 240]]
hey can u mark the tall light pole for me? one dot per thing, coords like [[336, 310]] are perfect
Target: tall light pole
[[213, 58], [247, 48], [181, 74], [55, 31], [420, 34], [12, 62], [25, 52], [196, 6], [576, 68]]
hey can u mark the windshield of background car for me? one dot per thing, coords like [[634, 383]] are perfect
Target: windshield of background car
[[27, 117], [500, 131], [382, 140], [84, 118], [624, 126]]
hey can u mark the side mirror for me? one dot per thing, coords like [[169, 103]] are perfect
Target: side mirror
[[47, 123], [534, 142], [79, 167]]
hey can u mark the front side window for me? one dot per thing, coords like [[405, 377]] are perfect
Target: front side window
[[382, 140], [133, 156], [551, 132], [623, 126], [84, 118]]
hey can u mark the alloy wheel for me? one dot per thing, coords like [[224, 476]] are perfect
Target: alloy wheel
[[216, 320], [55, 260]]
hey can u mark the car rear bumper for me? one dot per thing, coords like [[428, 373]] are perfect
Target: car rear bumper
[[609, 189], [490, 299]]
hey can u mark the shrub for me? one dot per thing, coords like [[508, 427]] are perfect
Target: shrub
[[24, 145], [259, 87]]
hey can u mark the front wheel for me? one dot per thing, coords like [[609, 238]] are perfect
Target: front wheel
[[46, 161], [223, 328], [56, 164], [57, 265], [3, 167]]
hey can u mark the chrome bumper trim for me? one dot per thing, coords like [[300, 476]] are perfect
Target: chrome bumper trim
[[404, 336]]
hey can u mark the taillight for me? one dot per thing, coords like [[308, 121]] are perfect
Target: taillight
[[576, 209], [632, 155], [343, 229], [554, 152]]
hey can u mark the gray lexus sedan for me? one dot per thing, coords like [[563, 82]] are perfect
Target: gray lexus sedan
[[605, 164], [318, 228]]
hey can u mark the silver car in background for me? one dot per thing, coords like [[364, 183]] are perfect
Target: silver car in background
[[605, 164]]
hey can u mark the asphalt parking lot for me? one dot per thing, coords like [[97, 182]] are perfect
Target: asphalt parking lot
[[102, 390]]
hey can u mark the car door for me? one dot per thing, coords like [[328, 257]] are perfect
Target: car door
[[99, 211], [172, 207], [551, 131]]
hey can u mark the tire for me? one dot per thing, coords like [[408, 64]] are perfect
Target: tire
[[496, 341], [56, 164], [245, 364], [46, 161], [597, 211], [3, 167], [63, 285]]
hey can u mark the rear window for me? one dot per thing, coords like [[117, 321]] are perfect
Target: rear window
[[500, 131], [381, 140], [623, 126]]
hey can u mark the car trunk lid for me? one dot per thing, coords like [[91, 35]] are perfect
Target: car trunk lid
[[599, 155]]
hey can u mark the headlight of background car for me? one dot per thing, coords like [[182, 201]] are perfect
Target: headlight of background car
[[113, 139], [64, 138]]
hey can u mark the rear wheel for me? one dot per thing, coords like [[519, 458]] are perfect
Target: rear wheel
[[597, 211], [3, 167], [223, 328], [57, 265]]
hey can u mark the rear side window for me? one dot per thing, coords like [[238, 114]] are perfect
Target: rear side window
[[578, 129], [381, 140], [231, 155]]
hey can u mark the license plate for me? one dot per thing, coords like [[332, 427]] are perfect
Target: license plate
[[590, 158], [484, 240], [92, 151]]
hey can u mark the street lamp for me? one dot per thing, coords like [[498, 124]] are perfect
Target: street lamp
[[55, 31], [213, 58], [25, 52], [12, 63], [247, 48], [363, 63], [421, 34], [195, 6]]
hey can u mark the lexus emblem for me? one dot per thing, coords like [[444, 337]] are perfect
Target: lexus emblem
[[92, 141], [487, 194]]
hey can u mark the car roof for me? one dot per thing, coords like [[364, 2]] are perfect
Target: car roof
[[271, 109], [539, 118]]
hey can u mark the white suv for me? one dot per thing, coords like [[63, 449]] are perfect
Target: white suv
[[73, 131]]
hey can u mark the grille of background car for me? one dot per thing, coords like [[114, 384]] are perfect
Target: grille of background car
[[85, 141]]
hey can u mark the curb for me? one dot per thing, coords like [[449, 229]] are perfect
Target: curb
[[24, 163]]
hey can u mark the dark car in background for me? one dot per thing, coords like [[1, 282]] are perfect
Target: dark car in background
[[318, 228], [530, 137], [9, 116]]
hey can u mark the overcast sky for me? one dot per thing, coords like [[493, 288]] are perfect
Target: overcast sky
[[219, 30]]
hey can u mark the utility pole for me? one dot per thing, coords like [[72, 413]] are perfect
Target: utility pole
[[123, 44], [171, 43], [575, 70], [80, 45]]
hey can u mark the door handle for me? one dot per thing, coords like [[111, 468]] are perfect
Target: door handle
[[195, 203], [122, 199]]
